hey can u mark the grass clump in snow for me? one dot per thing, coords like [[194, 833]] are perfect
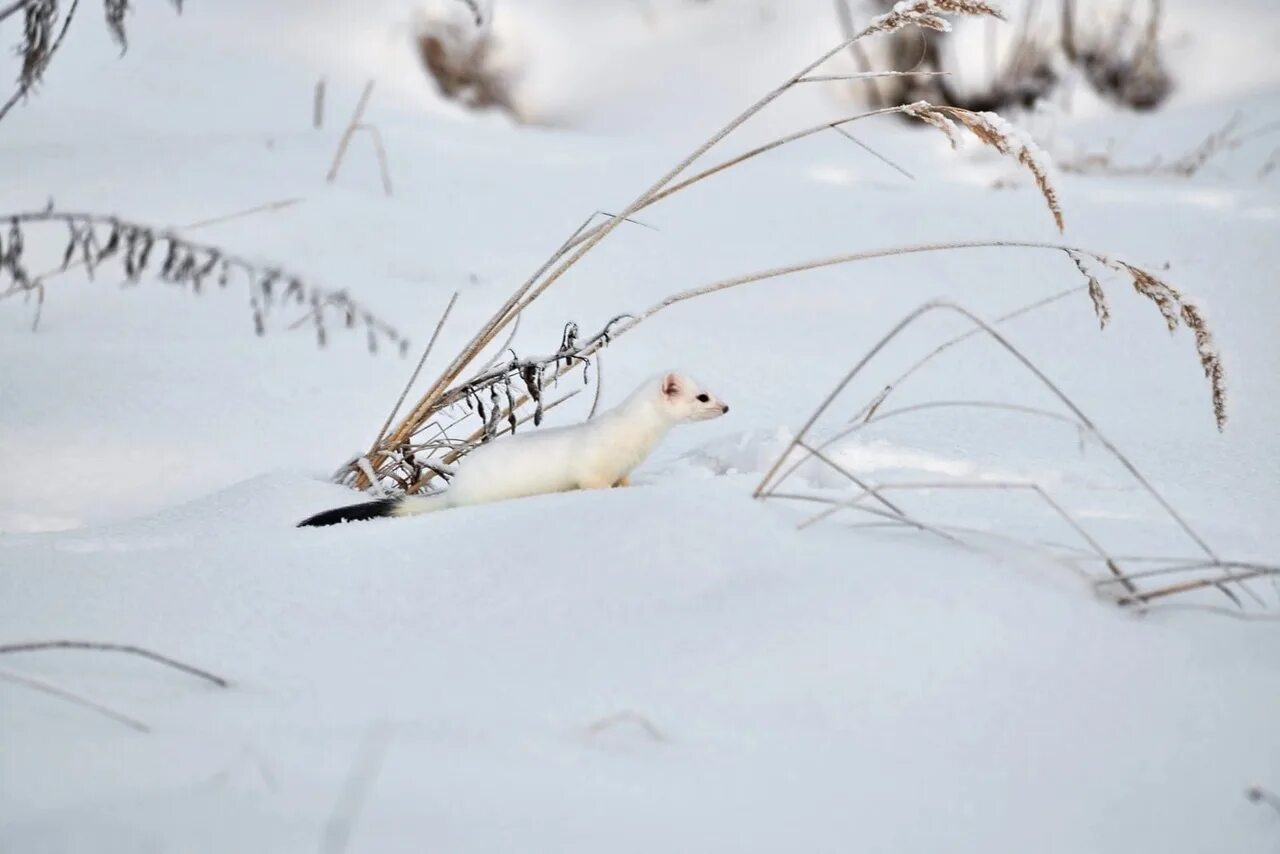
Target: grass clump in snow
[[410, 454]]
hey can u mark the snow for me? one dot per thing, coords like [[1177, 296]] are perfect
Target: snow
[[674, 665]]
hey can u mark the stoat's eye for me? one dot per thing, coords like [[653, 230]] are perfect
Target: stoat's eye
[[702, 398]]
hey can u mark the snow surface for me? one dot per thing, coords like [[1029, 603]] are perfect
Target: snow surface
[[672, 666]]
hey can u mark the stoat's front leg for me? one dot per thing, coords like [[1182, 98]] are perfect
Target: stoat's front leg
[[625, 480]]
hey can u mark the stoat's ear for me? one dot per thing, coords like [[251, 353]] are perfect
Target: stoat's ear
[[671, 385]]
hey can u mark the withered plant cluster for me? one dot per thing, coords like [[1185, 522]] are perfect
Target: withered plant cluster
[[1116, 50], [1227, 138], [459, 56], [95, 240], [478, 396], [1136, 580], [44, 26]]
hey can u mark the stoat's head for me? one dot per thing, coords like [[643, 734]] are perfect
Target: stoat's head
[[682, 399]]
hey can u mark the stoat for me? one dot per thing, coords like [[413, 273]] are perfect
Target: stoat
[[594, 455]]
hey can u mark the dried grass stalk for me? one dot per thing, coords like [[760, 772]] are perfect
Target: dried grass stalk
[[127, 649], [75, 699], [96, 239]]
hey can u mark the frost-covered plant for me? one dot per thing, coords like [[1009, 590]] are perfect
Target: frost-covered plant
[[94, 240], [43, 31]]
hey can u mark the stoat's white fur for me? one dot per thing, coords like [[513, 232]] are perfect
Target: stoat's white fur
[[594, 455]]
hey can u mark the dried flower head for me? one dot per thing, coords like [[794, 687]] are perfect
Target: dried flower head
[[1096, 293], [994, 131], [928, 14]]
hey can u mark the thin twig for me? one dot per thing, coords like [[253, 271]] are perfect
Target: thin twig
[[416, 370], [356, 117], [381, 153], [73, 698], [908, 521], [883, 159], [1199, 584], [870, 75], [317, 105], [256, 209], [127, 649]]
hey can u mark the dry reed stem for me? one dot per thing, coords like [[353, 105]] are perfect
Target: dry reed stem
[[1219, 582], [127, 649], [869, 75], [73, 698], [413, 377], [1188, 565], [867, 488], [380, 152], [939, 531], [268, 207], [317, 105], [357, 117], [877, 155]]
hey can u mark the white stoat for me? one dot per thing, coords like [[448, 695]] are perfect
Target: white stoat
[[595, 455]]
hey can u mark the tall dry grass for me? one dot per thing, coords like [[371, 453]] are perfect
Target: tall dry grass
[[1130, 580], [417, 447]]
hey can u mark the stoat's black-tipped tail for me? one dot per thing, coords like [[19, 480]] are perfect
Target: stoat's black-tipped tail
[[352, 513]]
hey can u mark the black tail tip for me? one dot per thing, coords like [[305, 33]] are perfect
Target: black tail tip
[[351, 513]]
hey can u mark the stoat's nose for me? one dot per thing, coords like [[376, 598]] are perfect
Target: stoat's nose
[[724, 407]]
